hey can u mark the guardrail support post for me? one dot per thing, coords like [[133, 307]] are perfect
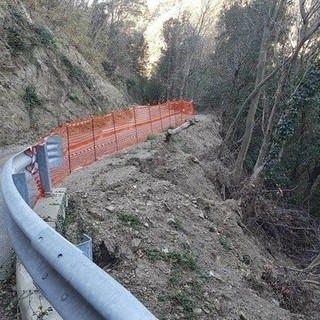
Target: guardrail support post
[[20, 181], [43, 163], [86, 246]]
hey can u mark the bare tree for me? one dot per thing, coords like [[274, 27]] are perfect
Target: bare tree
[[270, 21], [203, 22], [310, 23]]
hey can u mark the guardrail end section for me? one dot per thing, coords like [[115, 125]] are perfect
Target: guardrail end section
[[54, 151]]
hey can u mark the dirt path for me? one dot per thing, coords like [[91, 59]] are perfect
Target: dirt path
[[169, 237]]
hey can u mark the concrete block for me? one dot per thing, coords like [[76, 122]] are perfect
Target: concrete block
[[52, 207]]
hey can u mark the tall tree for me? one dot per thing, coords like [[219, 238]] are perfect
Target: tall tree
[[276, 61], [276, 7], [310, 23], [184, 39], [230, 69]]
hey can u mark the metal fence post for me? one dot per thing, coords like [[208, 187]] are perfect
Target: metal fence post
[[160, 118], [169, 114], [135, 123], [193, 110], [69, 155], [93, 139], [114, 130], [149, 107]]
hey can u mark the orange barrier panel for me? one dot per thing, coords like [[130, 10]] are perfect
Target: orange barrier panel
[[90, 139]]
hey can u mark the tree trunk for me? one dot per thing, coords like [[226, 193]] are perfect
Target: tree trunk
[[252, 95], [261, 68], [267, 136]]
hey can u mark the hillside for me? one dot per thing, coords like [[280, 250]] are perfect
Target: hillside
[[44, 81], [220, 222], [162, 229]]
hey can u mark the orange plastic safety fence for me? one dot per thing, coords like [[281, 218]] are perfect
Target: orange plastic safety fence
[[90, 139]]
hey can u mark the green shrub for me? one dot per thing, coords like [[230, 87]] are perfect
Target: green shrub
[[226, 243], [128, 218], [75, 72], [151, 137], [18, 16], [182, 298], [16, 41], [31, 99], [182, 259], [186, 294], [43, 37]]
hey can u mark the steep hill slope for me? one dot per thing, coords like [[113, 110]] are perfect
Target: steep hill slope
[[44, 82], [161, 228]]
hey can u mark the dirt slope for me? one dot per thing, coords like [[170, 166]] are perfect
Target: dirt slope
[[171, 239], [44, 81]]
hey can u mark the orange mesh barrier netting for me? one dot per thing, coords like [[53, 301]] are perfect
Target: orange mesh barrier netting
[[90, 139]]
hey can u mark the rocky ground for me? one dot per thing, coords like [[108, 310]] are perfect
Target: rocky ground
[[161, 228]]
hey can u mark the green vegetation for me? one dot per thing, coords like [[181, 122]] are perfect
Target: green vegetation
[[151, 137], [183, 299], [104, 33], [21, 40], [43, 37], [32, 100], [17, 16], [187, 294], [175, 277], [129, 219], [42, 312], [226, 243], [16, 41], [75, 72], [23, 35], [183, 259]]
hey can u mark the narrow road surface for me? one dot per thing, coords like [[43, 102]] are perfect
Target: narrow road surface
[[6, 251]]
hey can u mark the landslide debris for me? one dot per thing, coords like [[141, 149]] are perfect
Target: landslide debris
[[161, 228]]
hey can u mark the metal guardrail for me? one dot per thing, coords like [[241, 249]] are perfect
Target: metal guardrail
[[75, 286]]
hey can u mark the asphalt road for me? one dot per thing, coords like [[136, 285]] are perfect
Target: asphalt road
[[6, 251]]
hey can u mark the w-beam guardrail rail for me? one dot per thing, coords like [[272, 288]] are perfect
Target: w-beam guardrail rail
[[75, 286]]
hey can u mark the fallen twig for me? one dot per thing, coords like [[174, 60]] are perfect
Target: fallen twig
[[311, 281]]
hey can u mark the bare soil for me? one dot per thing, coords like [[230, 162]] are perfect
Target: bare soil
[[161, 228]]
